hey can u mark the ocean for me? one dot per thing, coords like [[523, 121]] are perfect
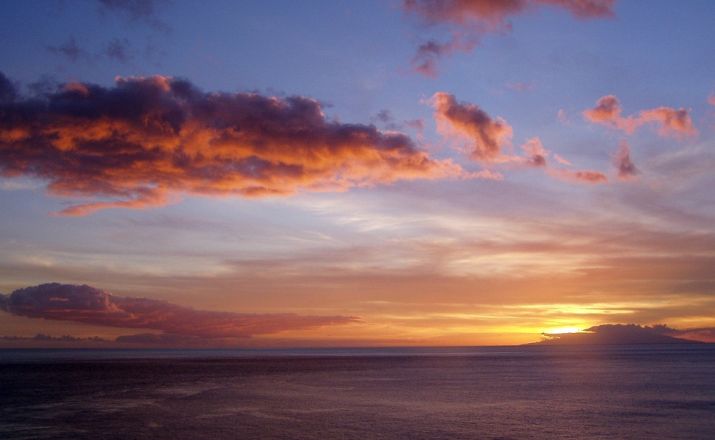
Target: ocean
[[531, 392]]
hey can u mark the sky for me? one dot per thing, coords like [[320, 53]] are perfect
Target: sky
[[354, 173]]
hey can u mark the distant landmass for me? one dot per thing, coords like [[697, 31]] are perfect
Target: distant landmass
[[617, 334]]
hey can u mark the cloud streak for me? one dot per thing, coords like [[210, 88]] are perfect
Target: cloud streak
[[490, 137], [469, 20], [146, 11], [670, 121], [88, 305], [147, 140]]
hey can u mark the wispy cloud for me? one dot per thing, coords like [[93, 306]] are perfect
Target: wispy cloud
[[70, 50], [469, 20], [88, 305], [143, 11], [622, 161], [670, 121], [489, 137]]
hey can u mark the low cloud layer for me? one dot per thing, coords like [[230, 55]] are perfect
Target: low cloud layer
[[147, 140], [469, 20], [670, 121], [88, 305]]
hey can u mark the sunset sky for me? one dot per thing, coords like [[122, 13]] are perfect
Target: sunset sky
[[354, 173]]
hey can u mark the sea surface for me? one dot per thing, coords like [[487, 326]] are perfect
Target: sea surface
[[533, 392]]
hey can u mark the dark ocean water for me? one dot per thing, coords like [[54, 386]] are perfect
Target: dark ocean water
[[466, 393]]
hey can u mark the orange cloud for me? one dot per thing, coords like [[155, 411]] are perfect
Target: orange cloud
[[578, 176], [144, 141], [672, 122], [537, 156], [469, 20], [496, 12], [562, 160], [88, 305], [468, 120], [535, 151], [489, 137]]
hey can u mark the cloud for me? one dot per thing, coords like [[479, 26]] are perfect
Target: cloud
[[584, 8], [118, 49], [562, 116], [48, 338], [70, 50], [562, 160], [535, 151], [537, 156], [429, 53], [623, 163], [147, 140], [469, 20], [495, 12], [159, 339], [520, 86], [145, 11], [578, 176], [711, 99], [8, 92], [671, 122], [706, 334], [88, 305], [489, 135], [618, 334]]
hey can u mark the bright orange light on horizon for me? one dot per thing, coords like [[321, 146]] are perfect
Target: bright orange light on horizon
[[562, 330]]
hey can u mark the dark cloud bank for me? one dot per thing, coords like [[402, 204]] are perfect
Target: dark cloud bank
[[177, 324]]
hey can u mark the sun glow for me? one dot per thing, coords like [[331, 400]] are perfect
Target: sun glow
[[562, 330]]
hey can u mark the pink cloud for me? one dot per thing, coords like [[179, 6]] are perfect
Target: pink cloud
[[671, 122], [520, 86], [469, 20], [623, 163], [489, 137], [578, 176], [562, 160], [562, 116], [88, 305], [536, 155], [146, 141], [535, 152]]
